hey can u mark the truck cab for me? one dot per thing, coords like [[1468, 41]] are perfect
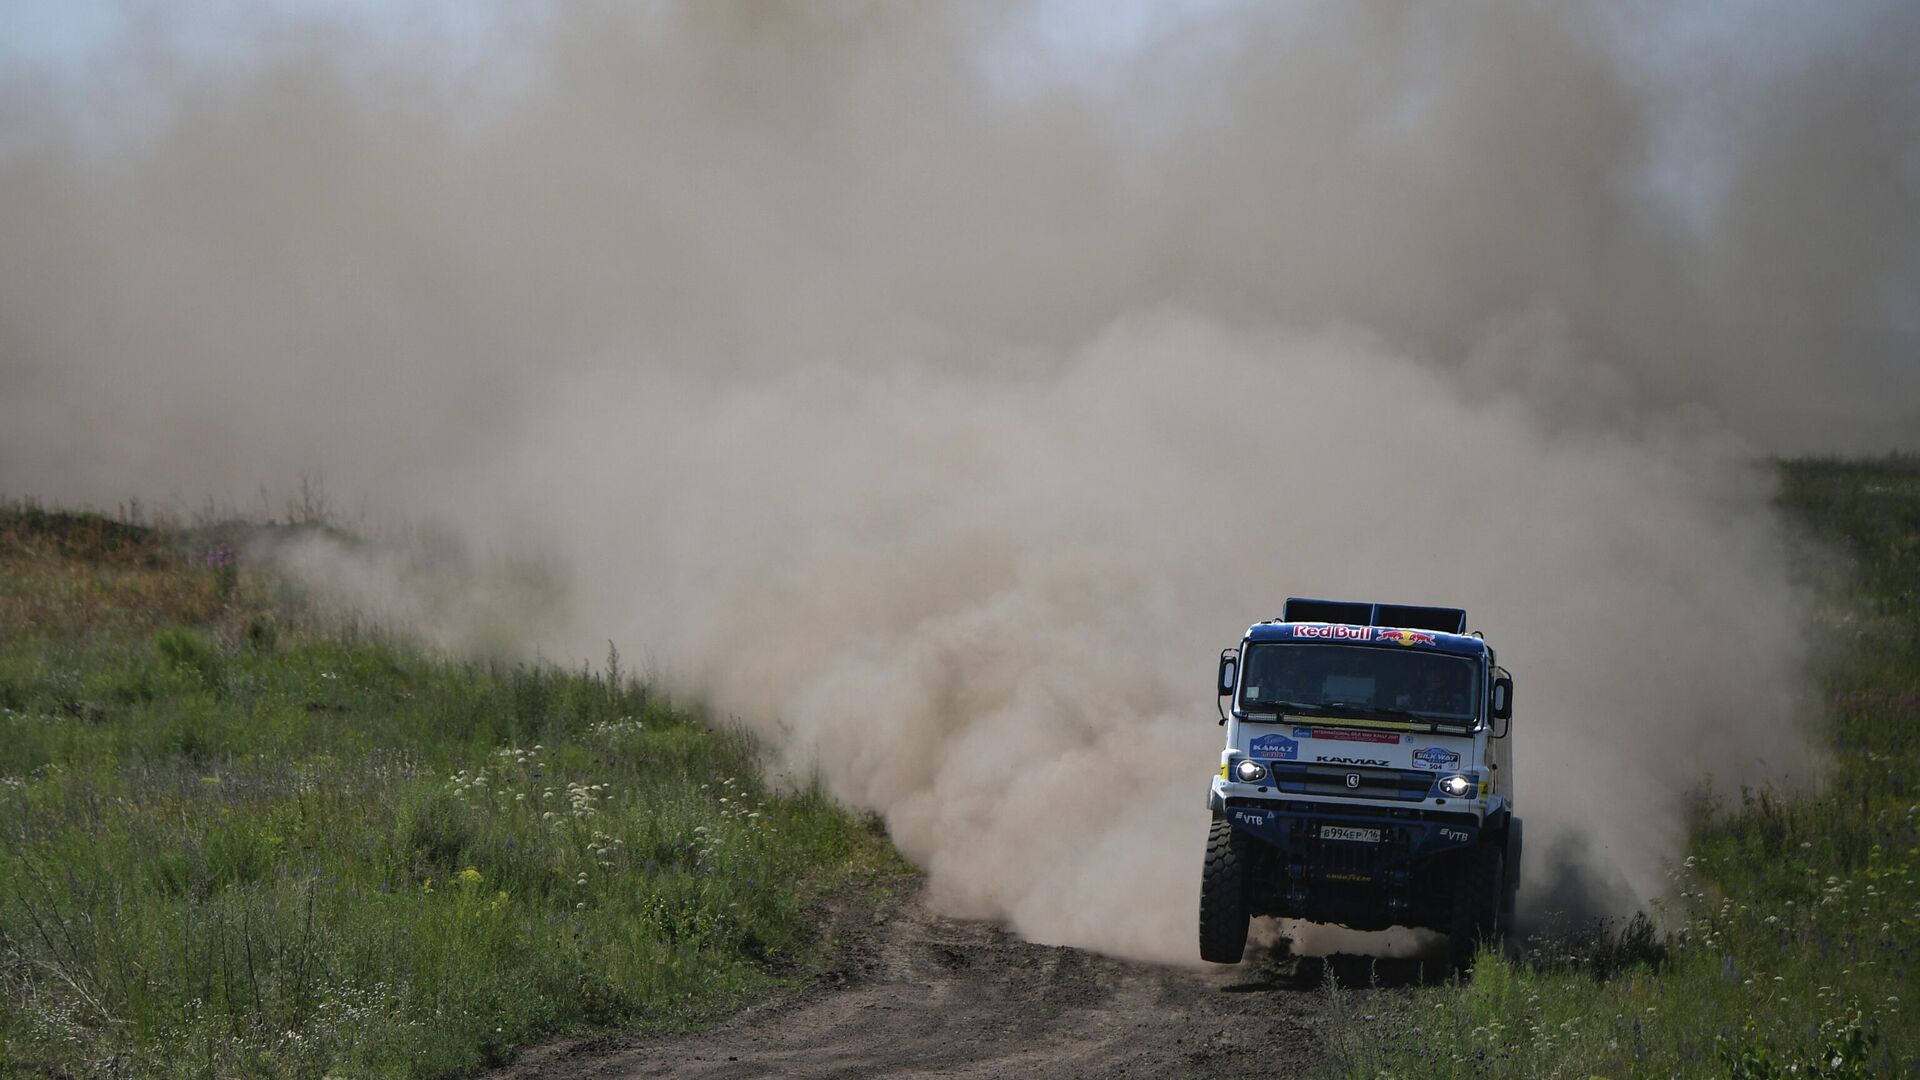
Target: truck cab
[[1367, 778]]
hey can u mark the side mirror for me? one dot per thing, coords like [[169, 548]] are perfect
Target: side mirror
[[1229, 668], [1501, 702]]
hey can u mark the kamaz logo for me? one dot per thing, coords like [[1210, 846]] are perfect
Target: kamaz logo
[[1353, 779], [1352, 761]]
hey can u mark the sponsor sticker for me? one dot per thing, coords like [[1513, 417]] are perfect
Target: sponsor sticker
[[1403, 637], [1343, 735], [1333, 631], [1274, 748], [1436, 758]]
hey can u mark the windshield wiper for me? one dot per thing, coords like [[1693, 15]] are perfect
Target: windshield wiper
[[1308, 707], [1385, 712], [1338, 709], [1379, 712]]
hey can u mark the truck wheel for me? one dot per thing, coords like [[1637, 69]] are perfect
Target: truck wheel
[[1478, 897], [1510, 876], [1223, 897]]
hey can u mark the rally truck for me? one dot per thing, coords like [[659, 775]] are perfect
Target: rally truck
[[1367, 778]]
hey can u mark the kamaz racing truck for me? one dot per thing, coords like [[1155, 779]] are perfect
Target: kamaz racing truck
[[1367, 778]]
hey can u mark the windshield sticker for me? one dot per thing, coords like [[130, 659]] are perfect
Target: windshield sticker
[[1350, 761], [1274, 748], [1386, 737], [1343, 632], [1436, 758]]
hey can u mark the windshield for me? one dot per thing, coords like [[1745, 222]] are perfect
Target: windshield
[[1359, 681]]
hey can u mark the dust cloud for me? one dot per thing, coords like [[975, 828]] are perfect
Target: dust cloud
[[938, 399]]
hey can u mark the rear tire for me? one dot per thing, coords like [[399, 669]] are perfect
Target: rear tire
[[1479, 895], [1223, 896]]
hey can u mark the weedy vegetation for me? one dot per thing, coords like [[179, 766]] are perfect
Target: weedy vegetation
[[240, 839], [1788, 944]]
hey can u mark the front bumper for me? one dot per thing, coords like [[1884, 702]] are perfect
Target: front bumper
[[1295, 828], [1364, 865]]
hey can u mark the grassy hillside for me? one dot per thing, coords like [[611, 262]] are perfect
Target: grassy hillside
[[1790, 942], [236, 842]]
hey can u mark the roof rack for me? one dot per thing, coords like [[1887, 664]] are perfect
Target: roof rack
[[1359, 613]]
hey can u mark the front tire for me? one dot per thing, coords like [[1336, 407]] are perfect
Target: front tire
[[1223, 896], [1479, 895], [1510, 883]]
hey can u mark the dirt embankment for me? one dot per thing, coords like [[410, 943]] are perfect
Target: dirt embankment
[[920, 995]]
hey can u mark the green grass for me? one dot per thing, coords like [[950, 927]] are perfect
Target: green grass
[[234, 842], [1792, 933]]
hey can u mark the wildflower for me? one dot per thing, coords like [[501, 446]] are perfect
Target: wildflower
[[470, 876]]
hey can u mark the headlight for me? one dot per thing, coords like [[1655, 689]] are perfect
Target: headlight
[[1250, 772], [1457, 786]]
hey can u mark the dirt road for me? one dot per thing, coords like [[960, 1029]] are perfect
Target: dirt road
[[922, 995]]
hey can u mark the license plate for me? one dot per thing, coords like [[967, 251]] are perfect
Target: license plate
[[1341, 832]]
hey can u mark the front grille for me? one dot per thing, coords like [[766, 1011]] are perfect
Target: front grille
[[1341, 857], [1332, 780]]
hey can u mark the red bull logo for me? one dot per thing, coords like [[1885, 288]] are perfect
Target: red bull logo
[[1403, 637], [1333, 631]]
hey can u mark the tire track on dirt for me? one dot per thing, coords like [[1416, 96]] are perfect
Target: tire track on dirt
[[917, 994]]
